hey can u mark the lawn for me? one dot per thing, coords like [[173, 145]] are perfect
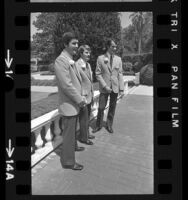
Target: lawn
[[44, 105], [36, 96], [42, 102]]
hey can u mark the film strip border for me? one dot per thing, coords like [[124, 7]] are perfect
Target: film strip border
[[167, 97]]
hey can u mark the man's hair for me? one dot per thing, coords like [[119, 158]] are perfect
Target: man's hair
[[108, 43], [82, 48], [67, 37]]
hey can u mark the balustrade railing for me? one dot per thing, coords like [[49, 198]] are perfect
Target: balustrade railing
[[47, 129]]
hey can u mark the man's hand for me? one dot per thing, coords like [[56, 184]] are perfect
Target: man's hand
[[108, 89], [83, 103], [121, 93]]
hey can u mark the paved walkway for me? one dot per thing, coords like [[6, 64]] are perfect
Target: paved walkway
[[121, 163]]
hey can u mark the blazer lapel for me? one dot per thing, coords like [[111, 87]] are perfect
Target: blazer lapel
[[85, 72], [64, 54], [88, 72], [77, 73], [113, 63]]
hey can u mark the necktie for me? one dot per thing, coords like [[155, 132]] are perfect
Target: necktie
[[87, 70], [111, 61]]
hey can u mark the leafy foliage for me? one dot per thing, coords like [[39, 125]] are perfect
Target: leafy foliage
[[42, 45], [38, 82], [137, 38], [146, 75], [138, 61], [92, 28]]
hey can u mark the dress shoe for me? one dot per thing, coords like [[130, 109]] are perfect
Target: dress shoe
[[109, 129], [91, 137], [76, 166], [79, 149], [88, 142], [96, 129]]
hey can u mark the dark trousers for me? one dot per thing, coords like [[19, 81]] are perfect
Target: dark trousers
[[103, 98], [84, 117], [68, 148]]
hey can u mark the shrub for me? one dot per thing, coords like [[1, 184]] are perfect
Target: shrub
[[34, 68], [138, 61], [146, 75], [51, 68], [47, 73], [32, 79], [137, 66], [43, 68], [131, 83], [38, 82], [127, 66], [128, 73]]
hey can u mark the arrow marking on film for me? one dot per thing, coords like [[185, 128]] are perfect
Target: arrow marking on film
[[8, 60], [9, 150]]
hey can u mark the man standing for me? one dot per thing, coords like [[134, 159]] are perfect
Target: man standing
[[70, 99], [109, 75], [84, 69]]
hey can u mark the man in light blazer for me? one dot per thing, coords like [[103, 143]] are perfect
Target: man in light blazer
[[109, 75], [70, 99], [87, 90]]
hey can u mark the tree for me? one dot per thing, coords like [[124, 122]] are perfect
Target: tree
[[147, 39], [138, 21], [137, 40], [138, 37], [42, 45], [92, 28], [129, 40]]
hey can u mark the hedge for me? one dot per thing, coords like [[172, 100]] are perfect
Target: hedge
[[47, 73], [146, 75], [128, 73], [38, 82], [138, 61]]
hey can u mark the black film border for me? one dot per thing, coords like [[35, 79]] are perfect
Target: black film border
[[167, 99]]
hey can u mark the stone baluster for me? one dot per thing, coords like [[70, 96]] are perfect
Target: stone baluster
[[57, 130], [108, 102], [48, 135], [32, 149], [39, 142], [97, 102], [94, 107], [137, 78], [126, 88]]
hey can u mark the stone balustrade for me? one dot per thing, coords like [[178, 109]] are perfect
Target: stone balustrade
[[47, 130]]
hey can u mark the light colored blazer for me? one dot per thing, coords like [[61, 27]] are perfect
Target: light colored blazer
[[69, 85], [106, 75], [87, 79]]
